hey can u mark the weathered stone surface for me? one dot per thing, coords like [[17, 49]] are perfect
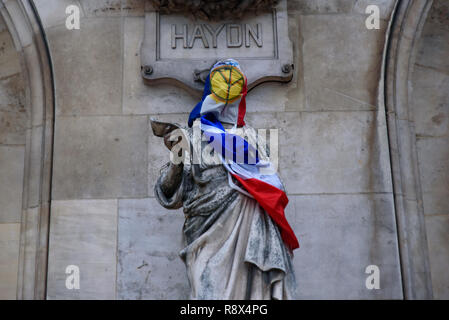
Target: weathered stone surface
[[430, 101], [340, 235], [52, 12], [340, 167], [217, 10], [329, 152], [433, 155], [149, 239], [143, 99], [100, 157], [269, 97], [158, 154], [83, 233], [9, 57], [88, 67], [34, 166], [438, 239], [315, 7], [342, 61], [29, 251], [9, 259], [429, 107], [101, 8], [11, 176], [270, 60], [321, 6], [139, 98], [295, 93], [13, 115], [438, 15], [430, 83], [233, 43], [3, 26], [319, 152], [23, 35], [385, 7]]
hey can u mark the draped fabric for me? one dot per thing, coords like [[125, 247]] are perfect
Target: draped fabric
[[237, 241], [232, 247], [224, 102]]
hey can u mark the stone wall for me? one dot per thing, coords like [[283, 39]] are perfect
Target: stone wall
[[430, 107], [13, 123], [334, 153]]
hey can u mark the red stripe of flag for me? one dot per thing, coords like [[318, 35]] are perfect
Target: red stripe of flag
[[242, 106], [274, 201]]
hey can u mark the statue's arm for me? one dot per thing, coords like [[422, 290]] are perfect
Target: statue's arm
[[171, 178], [169, 187]]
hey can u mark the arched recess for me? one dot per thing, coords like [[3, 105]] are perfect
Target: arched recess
[[404, 34], [29, 39]]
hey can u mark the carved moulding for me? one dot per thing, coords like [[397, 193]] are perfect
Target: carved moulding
[[180, 47], [213, 9], [399, 56]]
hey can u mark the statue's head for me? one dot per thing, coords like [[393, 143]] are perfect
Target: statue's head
[[224, 94]]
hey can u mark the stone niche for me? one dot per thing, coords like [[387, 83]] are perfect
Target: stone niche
[[181, 47]]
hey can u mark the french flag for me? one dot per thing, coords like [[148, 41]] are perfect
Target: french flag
[[224, 101], [258, 177]]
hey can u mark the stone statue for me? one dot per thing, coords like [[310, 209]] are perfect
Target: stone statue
[[238, 244]]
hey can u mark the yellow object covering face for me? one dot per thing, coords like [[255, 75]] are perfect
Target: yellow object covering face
[[224, 102], [224, 95], [227, 83]]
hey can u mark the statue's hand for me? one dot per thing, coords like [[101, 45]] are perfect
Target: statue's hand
[[171, 139]]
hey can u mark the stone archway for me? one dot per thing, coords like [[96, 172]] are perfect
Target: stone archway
[[429, 104], [404, 35], [24, 26]]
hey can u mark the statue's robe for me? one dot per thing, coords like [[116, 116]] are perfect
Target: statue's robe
[[233, 249]]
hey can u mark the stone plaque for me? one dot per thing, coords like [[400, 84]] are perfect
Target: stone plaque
[[180, 49]]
